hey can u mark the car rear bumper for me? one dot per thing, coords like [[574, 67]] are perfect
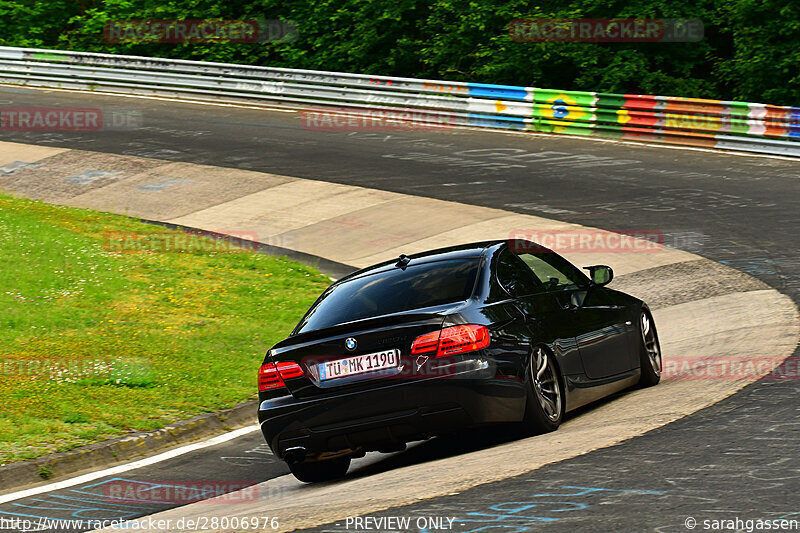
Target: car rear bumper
[[393, 414]]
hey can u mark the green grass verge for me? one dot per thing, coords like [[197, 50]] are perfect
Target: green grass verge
[[95, 342]]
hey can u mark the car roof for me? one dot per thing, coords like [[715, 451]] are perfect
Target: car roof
[[461, 251]]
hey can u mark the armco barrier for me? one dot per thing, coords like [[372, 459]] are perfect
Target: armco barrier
[[740, 126]]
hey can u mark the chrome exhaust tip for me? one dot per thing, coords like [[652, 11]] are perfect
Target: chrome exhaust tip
[[296, 454]]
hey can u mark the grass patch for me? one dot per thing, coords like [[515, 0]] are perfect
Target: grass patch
[[95, 342]]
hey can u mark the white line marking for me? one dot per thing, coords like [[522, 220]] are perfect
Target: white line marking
[[130, 466]]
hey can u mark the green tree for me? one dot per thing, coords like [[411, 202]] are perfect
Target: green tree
[[751, 48]]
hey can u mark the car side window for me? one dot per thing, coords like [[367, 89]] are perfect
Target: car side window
[[515, 277], [554, 272]]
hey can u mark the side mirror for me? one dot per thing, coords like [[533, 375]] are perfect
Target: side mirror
[[600, 274]]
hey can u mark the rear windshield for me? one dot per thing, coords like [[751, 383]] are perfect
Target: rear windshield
[[394, 291]]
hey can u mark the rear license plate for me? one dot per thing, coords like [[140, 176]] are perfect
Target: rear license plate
[[358, 364]]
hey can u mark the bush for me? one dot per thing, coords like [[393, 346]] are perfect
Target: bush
[[749, 51]]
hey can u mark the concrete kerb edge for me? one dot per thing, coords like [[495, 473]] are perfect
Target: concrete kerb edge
[[119, 450]]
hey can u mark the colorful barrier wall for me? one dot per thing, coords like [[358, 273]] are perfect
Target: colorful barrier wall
[[724, 125]]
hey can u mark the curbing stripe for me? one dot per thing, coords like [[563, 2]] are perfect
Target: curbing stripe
[[125, 448], [127, 467]]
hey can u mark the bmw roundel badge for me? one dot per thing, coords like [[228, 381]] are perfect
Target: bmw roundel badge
[[350, 343]]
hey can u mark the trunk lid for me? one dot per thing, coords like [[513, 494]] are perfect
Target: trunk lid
[[372, 336]]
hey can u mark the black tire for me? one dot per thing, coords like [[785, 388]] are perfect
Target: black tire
[[649, 351], [317, 471], [544, 406]]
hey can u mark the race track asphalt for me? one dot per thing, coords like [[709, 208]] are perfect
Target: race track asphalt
[[734, 459]]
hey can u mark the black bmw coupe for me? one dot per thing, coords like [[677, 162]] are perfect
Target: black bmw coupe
[[484, 333]]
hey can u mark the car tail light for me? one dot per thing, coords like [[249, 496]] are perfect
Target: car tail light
[[289, 370], [268, 378], [452, 340], [426, 343], [271, 376]]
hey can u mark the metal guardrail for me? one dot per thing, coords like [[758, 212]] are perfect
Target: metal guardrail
[[727, 125]]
